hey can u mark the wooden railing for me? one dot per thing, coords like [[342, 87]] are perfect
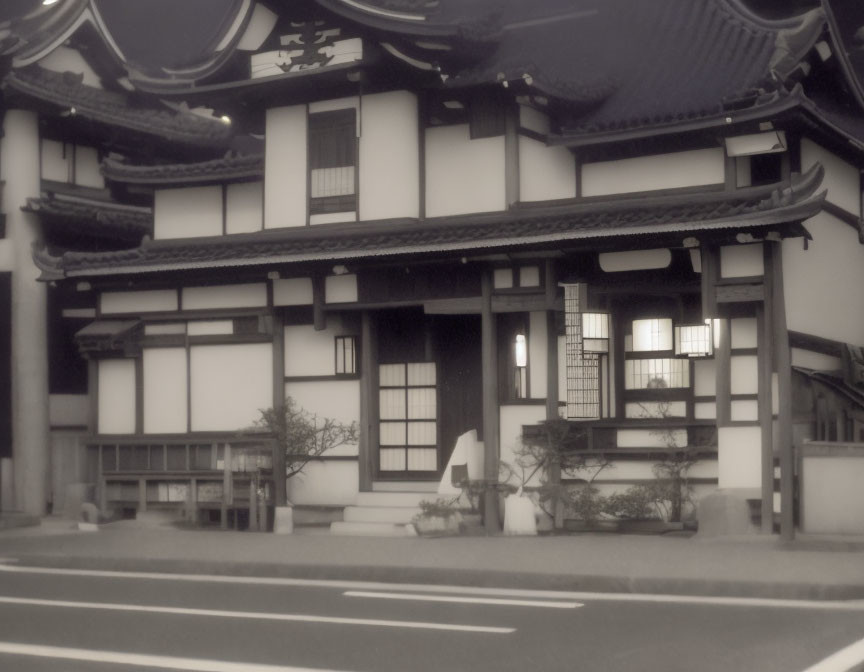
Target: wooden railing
[[194, 473]]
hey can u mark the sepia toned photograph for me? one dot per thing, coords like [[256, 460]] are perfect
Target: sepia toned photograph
[[432, 335]]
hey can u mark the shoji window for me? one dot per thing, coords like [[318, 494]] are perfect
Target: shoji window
[[408, 405]]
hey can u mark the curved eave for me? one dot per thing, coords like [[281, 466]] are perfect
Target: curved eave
[[418, 25], [817, 116], [194, 173], [855, 84], [724, 119], [521, 228]]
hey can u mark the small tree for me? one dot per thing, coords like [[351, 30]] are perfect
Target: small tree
[[302, 436], [556, 447]]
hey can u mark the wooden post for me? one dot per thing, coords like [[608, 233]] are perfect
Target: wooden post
[[368, 400], [253, 503], [511, 154], [227, 489], [490, 406], [784, 392], [765, 357], [552, 391], [723, 359], [319, 318], [142, 495], [280, 490]]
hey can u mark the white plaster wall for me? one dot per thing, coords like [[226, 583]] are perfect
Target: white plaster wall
[[705, 378], [389, 156], [815, 360], [659, 171], [165, 388], [655, 409], [253, 295], [327, 483], [649, 438], [463, 175], [533, 119], [842, 179], [54, 160], [705, 410], [741, 261], [634, 260], [545, 173], [68, 410], [745, 374], [537, 349], [337, 399], [833, 499], [116, 392], [189, 212], [292, 292], [743, 332], [148, 301], [333, 218], [229, 385], [87, 168], [309, 352], [64, 59], [244, 207], [742, 410], [512, 419], [739, 457], [340, 288], [642, 470], [285, 168], [822, 285], [210, 327]]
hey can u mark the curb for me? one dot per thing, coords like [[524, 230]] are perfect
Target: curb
[[460, 577]]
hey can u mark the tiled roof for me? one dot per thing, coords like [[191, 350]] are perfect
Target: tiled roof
[[227, 168], [124, 220], [523, 226], [66, 90]]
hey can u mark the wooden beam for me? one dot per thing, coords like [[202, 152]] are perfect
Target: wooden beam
[[368, 448], [280, 490], [784, 391], [319, 317], [710, 265], [490, 406], [739, 293]]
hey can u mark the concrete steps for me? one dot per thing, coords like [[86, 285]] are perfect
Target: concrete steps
[[382, 513]]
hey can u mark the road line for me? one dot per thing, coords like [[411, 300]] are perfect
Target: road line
[[581, 596], [465, 600], [144, 660], [219, 613], [844, 660]]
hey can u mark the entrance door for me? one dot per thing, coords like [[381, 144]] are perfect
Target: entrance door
[[457, 342]]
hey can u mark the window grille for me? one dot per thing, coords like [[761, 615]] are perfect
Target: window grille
[[583, 371], [332, 160], [408, 413], [346, 348], [648, 374], [694, 340], [652, 334]]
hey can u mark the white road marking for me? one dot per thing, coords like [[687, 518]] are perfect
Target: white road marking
[[143, 660], [465, 600], [582, 596], [844, 660], [303, 618]]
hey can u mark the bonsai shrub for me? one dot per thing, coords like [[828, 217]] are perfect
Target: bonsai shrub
[[301, 435]]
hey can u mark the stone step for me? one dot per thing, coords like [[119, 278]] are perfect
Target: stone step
[[397, 499], [380, 514], [372, 529]]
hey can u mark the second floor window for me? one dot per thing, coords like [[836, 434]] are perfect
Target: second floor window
[[332, 161]]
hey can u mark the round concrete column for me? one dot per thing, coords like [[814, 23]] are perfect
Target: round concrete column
[[19, 167]]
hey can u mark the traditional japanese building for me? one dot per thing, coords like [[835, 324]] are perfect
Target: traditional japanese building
[[430, 217]]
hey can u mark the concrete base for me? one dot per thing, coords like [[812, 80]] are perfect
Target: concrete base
[[725, 513], [283, 520], [87, 527]]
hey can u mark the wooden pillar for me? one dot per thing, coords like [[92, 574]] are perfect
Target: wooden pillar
[[142, 495], [368, 449], [490, 406], [227, 485], [511, 154], [319, 318], [280, 489], [253, 503], [765, 357], [19, 169], [784, 393], [552, 391], [723, 359]]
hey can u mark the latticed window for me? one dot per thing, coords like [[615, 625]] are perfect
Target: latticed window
[[583, 370], [332, 161], [408, 408]]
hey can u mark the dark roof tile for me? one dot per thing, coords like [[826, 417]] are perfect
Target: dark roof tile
[[230, 167]]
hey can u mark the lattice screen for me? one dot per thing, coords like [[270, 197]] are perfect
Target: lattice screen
[[583, 371]]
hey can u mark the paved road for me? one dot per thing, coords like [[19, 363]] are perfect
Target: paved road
[[55, 621]]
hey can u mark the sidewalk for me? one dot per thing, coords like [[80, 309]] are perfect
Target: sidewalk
[[822, 569]]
